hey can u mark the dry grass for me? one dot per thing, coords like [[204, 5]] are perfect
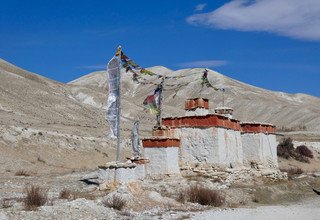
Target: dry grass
[[292, 171], [35, 198], [6, 203], [22, 173], [65, 194], [201, 195], [115, 202], [71, 195]]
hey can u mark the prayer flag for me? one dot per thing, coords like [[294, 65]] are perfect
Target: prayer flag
[[113, 108], [153, 102]]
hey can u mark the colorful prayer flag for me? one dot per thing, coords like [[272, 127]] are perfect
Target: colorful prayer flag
[[153, 102]]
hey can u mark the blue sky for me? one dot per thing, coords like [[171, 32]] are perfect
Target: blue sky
[[267, 43]]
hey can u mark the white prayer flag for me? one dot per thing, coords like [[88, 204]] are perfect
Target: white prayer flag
[[113, 107]]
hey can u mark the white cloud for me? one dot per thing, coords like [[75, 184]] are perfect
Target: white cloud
[[203, 63], [200, 7], [293, 18]]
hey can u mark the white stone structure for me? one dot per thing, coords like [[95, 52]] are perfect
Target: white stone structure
[[206, 138], [259, 144], [163, 154], [215, 145], [123, 173], [209, 139], [226, 111], [260, 148], [197, 106], [117, 175]]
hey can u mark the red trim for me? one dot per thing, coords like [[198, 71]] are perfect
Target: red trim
[[160, 142], [163, 132], [191, 104], [204, 121], [258, 128]]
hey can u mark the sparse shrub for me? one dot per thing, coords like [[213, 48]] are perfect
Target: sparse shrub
[[285, 148], [182, 196], [22, 173], [65, 194], [301, 158], [115, 202], [35, 198], [6, 203], [292, 171], [304, 151], [201, 195], [255, 200]]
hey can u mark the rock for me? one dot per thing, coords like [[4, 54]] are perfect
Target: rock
[[316, 174], [122, 192], [260, 167], [267, 172], [155, 196]]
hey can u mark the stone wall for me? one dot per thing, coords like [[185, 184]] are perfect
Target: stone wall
[[163, 154], [217, 146], [118, 175], [116, 172], [260, 148], [163, 161]]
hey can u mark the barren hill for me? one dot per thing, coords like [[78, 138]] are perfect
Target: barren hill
[[42, 123], [290, 111]]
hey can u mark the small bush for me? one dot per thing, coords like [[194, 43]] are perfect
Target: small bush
[[22, 173], [301, 158], [65, 194], [201, 195], [255, 200], [293, 171], [304, 151], [285, 148], [115, 202], [6, 203], [36, 197]]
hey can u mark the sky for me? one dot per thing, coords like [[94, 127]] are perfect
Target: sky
[[273, 44]]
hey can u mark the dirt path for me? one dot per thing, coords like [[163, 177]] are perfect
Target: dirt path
[[309, 209]]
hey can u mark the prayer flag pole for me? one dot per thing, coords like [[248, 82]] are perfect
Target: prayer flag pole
[[159, 116], [118, 54]]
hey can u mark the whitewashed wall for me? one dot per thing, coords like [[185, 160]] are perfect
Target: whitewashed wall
[[260, 148], [217, 146], [163, 160], [123, 175]]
